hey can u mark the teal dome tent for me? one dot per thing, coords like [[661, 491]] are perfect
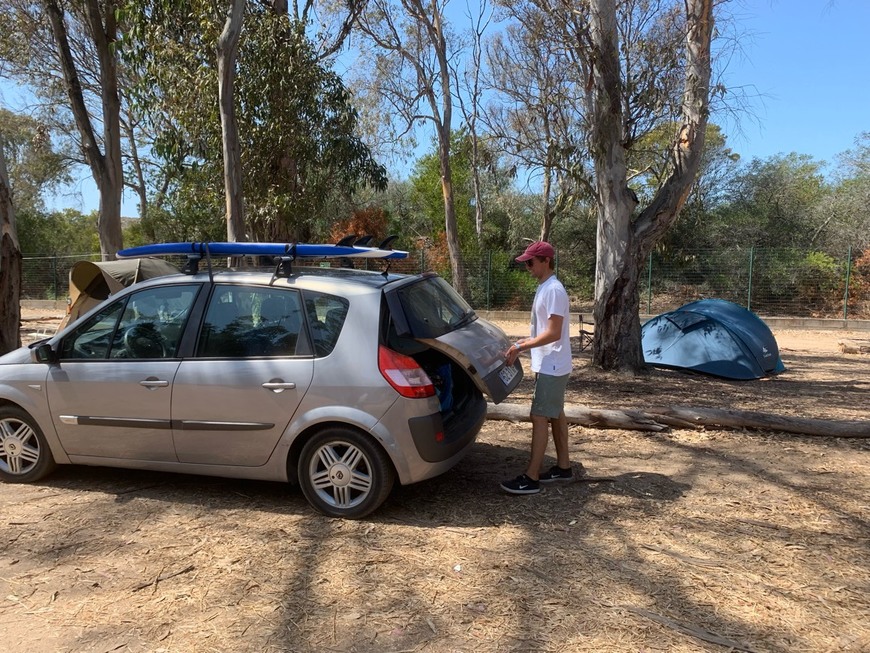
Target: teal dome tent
[[712, 336]]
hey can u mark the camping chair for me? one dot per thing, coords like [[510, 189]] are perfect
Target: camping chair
[[585, 336]]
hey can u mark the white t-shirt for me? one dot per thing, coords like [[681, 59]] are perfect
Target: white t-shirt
[[551, 299]]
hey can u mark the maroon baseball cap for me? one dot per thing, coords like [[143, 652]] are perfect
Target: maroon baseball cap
[[541, 248]]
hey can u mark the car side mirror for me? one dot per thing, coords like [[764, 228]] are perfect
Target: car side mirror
[[44, 354]]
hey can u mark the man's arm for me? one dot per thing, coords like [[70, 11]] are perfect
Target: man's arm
[[551, 333]]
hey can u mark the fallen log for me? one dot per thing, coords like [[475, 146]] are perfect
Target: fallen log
[[659, 419], [731, 418], [849, 346], [611, 419]]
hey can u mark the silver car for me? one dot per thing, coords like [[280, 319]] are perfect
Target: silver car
[[340, 380]]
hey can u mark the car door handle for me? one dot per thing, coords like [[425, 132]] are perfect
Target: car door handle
[[279, 386], [154, 383]]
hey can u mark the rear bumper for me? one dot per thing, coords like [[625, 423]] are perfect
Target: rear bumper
[[437, 440]]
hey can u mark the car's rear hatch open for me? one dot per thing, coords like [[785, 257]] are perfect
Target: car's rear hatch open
[[426, 309]]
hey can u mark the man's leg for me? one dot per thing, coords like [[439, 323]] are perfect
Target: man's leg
[[540, 437], [560, 439]]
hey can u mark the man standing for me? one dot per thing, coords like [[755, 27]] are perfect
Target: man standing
[[550, 347]]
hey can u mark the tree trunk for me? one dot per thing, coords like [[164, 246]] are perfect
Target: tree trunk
[[106, 167], [457, 265], [140, 186], [622, 245], [475, 185], [228, 45], [616, 343], [546, 214], [688, 417], [443, 127], [111, 184], [10, 266]]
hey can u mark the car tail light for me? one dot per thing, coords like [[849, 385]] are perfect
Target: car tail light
[[404, 374]]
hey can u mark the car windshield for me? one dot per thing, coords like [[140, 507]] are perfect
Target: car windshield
[[432, 308]]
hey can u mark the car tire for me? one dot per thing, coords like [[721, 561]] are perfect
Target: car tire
[[24, 453], [344, 473]]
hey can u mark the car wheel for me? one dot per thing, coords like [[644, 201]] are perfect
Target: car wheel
[[24, 453], [344, 473]]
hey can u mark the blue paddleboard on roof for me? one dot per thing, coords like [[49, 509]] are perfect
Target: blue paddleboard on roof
[[296, 250]]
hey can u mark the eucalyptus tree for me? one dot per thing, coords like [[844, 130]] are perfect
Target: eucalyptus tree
[[624, 237], [227, 53], [844, 216], [541, 74], [296, 123], [469, 84], [10, 265], [70, 50], [411, 51], [629, 66], [713, 189], [36, 165], [535, 113]]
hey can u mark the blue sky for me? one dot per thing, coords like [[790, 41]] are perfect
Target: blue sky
[[804, 63], [806, 60]]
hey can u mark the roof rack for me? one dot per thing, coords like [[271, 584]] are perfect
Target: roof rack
[[283, 253]]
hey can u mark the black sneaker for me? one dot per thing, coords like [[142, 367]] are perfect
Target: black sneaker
[[557, 474], [522, 484]]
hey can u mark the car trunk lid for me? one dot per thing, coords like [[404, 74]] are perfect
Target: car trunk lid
[[427, 310]]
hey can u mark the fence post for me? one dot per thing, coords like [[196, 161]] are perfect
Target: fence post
[[848, 274], [422, 260], [489, 280], [749, 291], [54, 275], [649, 286]]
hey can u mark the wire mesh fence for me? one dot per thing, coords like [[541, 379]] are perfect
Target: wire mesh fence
[[776, 282], [47, 277]]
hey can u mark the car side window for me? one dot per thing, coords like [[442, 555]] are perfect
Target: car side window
[[244, 321], [93, 338], [144, 325], [326, 315]]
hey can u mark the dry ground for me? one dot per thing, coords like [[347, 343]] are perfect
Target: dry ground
[[679, 542]]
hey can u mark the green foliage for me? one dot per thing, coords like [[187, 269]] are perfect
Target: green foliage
[[35, 165], [498, 283], [771, 204], [296, 124], [57, 233], [820, 281], [813, 280]]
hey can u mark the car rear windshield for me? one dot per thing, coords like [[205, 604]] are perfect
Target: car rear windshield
[[432, 308]]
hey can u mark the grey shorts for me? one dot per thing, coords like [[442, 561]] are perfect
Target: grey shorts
[[549, 398]]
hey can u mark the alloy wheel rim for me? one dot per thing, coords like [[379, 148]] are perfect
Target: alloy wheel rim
[[340, 474], [19, 448]]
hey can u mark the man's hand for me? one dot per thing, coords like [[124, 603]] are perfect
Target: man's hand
[[512, 353], [551, 333]]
